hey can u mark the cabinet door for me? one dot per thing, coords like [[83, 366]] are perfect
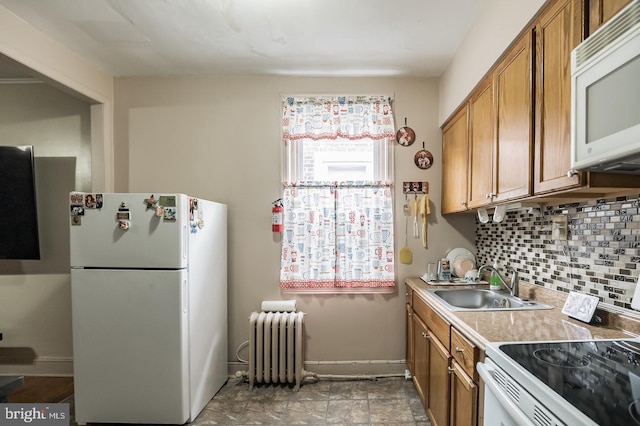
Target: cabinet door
[[420, 358], [409, 339], [514, 122], [455, 163], [557, 32], [600, 11], [464, 397], [439, 383], [481, 142]]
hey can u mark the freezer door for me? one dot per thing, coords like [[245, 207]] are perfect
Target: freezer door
[[151, 240], [130, 346]]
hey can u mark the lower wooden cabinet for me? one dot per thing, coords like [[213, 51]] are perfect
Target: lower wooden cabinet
[[439, 383], [442, 363], [464, 397], [421, 356], [409, 338]]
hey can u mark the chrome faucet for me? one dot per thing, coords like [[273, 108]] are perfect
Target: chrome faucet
[[513, 288]]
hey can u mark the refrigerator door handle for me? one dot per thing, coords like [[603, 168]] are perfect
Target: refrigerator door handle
[[185, 236], [184, 296]]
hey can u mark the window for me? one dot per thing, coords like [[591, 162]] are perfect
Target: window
[[337, 194]]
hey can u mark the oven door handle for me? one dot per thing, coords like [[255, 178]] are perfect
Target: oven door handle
[[486, 372]]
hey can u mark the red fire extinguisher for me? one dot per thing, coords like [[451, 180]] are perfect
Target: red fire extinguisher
[[276, 213]]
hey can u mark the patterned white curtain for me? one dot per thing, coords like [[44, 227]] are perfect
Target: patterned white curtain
[[347, 117], [338, 235]]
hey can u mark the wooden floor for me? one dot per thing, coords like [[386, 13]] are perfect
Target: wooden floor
[[43, 389]]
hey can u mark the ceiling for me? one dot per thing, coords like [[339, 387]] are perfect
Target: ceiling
[[277, 37]]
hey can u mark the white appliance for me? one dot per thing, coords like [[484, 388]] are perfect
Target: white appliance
[[578, 382], [606, 96], [149, 305], [506, 403]]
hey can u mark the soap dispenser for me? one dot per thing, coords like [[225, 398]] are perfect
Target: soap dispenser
[[494, 279]]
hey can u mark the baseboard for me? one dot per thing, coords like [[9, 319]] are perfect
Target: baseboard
[[63, 366], [358, 367], [39, 366], [346, 368]]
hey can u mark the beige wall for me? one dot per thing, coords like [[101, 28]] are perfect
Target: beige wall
[[35, 296], [219, 138], [497, 26], [69, 72], [192, 135]]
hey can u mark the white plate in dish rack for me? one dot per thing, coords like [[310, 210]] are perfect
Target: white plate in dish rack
[[460, 252]]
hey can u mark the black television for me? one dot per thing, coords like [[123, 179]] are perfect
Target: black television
[[19, 238]]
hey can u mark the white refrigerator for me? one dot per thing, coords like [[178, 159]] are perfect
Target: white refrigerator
[[149, 305]]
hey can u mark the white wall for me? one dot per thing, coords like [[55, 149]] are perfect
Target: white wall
[[219, 138], [497, 26]]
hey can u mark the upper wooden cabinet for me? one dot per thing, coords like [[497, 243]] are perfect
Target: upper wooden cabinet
[[520, 139], [481, 144], [513, 85], [498, 130], [558, 30], [600, 11], [455, 160]]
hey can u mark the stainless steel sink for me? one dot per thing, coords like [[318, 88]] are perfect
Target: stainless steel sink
[[475, 299]]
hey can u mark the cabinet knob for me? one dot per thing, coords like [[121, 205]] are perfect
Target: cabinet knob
[[458, 350], [425, 335], [450, 370], [463, 203], [572, 172]]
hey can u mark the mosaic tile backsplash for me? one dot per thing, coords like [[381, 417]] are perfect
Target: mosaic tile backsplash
[[600, 256]]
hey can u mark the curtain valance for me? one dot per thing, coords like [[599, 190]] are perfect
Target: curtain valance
[[342, 117]]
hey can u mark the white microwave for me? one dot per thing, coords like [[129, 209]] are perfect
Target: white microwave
[[605, 103]]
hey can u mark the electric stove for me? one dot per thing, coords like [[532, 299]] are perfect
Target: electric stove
[[598, 380]]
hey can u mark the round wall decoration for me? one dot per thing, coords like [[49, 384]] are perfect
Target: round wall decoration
[[405, 135], [423, 158]]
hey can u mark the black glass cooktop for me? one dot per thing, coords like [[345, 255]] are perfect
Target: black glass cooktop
[[599, 378]]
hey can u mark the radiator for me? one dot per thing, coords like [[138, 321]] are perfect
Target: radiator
[[275, 348]]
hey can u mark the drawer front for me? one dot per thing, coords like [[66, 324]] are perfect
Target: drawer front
[[409, 295], [464, 352], [420, 307], [438, 326]]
